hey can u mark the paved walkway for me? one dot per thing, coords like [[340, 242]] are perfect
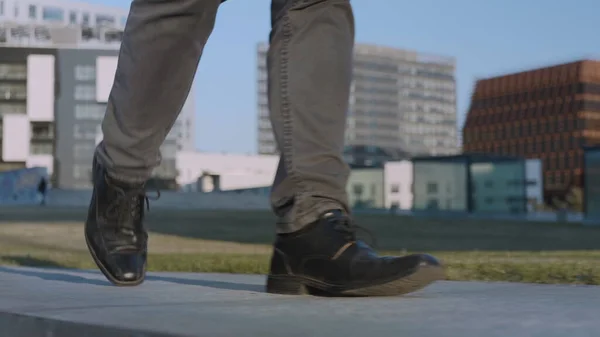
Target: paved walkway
[[58, 303]]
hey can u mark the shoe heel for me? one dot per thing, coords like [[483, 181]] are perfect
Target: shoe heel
[[285, 285]]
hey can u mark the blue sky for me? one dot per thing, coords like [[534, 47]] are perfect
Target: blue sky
[[486, 37]]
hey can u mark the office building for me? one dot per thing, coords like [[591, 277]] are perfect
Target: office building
[[62, 12], [399, 100], [548, 113], [476, 183], [57, 64]]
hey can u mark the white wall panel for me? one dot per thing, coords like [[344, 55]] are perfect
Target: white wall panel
[[236, 170], [40, 88], [41, 160], [16, 134], [398, 174], [106, 67]]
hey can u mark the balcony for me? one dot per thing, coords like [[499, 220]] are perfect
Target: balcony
[[13, 92], [42, 132]]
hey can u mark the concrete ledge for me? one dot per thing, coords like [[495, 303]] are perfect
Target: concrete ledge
[[64, 303]]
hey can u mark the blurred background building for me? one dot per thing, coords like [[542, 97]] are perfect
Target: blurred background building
[[476, 183], [549, 113], [57, 65], [399, 100]]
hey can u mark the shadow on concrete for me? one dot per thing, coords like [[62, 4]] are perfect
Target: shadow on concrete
[[47, 271], [52, 272], [209, 283], [29, 261]]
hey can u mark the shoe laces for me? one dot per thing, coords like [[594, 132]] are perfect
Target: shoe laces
[[347, 226], [128, 203]]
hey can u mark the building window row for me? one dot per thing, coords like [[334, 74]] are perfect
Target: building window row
[[13, 91], [85, 72], [13, 108], [85, 92], [536, 95], [90, 111], [509, 114], [12, 72], [84, 150], [41, 148], [529, 147], [524, 129], [58, 14]]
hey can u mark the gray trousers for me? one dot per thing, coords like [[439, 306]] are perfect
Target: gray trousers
[[309, 75]]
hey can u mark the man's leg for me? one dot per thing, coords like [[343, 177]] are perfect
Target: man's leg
[[310, 72], [162, 44]]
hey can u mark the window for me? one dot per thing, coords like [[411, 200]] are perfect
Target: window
[[41, 148], [44, 131], [358, 189], [433, 204], [85, 93], [105, 20], [85, 72], [90, 111], [1, 7], [84, 150], [395, 188], [53, 14], [84, 132], [73, 17], [432, 188], [13, 108], [32, 11], [489, 184], [85, 19], [13, 91], [10, 71]]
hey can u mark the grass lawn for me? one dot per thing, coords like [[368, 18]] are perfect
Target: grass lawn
[[238, 242]]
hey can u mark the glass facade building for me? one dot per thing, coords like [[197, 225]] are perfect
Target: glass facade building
[[591, 190], [468, 183]]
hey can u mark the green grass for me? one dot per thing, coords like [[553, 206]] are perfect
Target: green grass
[[485, 267], [238, 242]]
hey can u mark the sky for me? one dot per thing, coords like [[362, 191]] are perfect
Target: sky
[[487, 38]]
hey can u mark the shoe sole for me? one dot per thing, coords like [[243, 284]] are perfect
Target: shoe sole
[[295, 285], [107, 274]]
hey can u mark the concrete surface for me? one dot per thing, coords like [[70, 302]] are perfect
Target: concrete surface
[[59, 303]]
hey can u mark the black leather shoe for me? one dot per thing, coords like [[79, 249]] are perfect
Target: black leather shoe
[[114, 230], [326, 258]]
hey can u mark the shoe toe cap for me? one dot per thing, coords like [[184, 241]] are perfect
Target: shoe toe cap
[[128, 267]]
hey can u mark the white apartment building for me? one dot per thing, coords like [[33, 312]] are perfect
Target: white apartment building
[[57, 65], [62, 12]]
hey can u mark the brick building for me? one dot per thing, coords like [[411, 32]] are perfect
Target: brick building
[[548, 113]]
